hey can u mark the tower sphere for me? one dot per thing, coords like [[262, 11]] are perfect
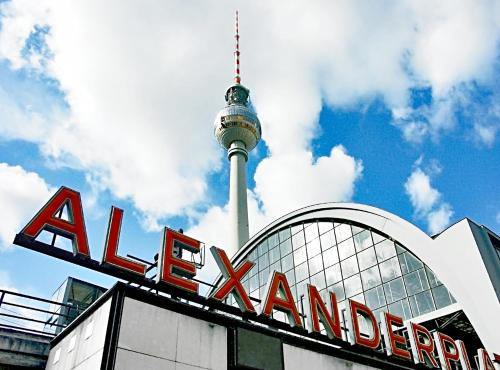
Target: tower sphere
[[237, 121]]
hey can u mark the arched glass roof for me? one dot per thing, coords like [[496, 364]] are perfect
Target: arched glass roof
[[350, 260]]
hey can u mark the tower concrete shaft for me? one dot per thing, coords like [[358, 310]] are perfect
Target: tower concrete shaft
[[238, 208]]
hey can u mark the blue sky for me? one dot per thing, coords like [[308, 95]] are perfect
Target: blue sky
[[396, 107]]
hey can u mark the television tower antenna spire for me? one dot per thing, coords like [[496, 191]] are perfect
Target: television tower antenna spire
[[237, 129], [237, 77]]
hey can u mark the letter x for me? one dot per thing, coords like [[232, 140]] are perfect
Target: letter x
[[233, 280]]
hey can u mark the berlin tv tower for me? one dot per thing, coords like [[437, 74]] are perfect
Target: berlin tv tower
[[237, 129]]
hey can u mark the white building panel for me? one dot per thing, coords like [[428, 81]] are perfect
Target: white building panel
[[82, 348], [156, 335], [299, 359]]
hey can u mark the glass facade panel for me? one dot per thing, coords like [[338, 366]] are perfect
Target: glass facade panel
[[367, 267], [367, 258], [346, 248], [333, 274], [343, 232], [385, 250], [313, 248], [371, 277], [349, 266], [362, 240], [330, 256]]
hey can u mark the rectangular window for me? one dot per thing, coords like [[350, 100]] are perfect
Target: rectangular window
[[262, 248], [343, 232], [349, 266], [333, 274], [285, 234], [301, 272], [274, 255], [390, 269], [273, 240], [263, 276], [290, 277], [327, 240], [324, 226], [300, 256], [263, 261], [318, 280], [409, 262], [330, 257], [346, 248], [385, 250], [416, 282], [363, 240], [338, 289], [421, 303], [298, 240], [353, 285], [394, 290], [286, 247], [367, 258], [442, 297], [401, 309], [287, 262], [313, 248], [371, 277], [315, 264], [254, 283], [311, 231], [375, 297]]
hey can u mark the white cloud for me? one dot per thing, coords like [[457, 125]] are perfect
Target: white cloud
[[143, 84], [22, 194], [425, 199]]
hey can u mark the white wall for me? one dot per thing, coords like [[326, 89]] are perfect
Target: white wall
[[82, 348], [299, 359], [155, 338]]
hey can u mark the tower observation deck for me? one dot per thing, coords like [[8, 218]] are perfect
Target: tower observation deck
[[237, 129]]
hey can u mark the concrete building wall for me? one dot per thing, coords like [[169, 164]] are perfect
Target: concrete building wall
[[19, 348], [299, 359], [152, 337], [82, 348]]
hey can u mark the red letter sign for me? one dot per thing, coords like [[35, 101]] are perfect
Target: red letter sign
[[447, 350], [111, 245], [170, 267], [233, 280], [73, 229], [354, 309], [422, 345], [464, 357], [318, 311], [277, 287], [392, 339], [484, 360]]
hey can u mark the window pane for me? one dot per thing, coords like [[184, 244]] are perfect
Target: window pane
[[390, 269], [297, 228], [343, 232], [285, 234], [371, 277], [385, 250], [311, 232], [254, 282], [349, 266], [327, 240], [363, 240], [346, 248], [375, 297], [300, 256], [324, 226], [409, 262], [275, 266], [353, 285], [263, 261], [290, 277], [273, 240], [401, 309], [441, 296], [330, 257], [274, 255], [286, 247], [315, 264], [287, 262], [318, 281], [298, 240], [338, 289], [394, 290], [313, 248], [377, 238], [263, 275], [333, 274], [262, 248], [433, 280], [421, 303], [416, 282], [356, 229], [367, 258], [301, 272]]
